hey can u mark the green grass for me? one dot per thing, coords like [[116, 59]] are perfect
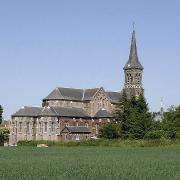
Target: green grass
[[85, 163]]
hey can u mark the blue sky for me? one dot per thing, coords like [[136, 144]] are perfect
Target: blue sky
[[85, 44]]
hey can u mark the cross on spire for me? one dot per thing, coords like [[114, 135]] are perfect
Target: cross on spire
[[133, 25]]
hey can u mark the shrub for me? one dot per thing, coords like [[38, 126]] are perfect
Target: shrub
[[109, 131], [154, 134], [4, 136], [178, 134]]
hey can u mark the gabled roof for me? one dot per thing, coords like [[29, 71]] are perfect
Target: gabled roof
[[71, 94], [48, 111], [70, 112], [103, 113], [133, 62], [55, 94], [51, 111], [27, 111], [114, 96], [89, 93], [76, 129], [61, 93], [80, 94]]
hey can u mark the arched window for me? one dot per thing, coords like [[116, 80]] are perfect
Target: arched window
[[97, 127], [77, 137], [28, 127], [40, 127], [52, 127], [20, 126], [45, 127]]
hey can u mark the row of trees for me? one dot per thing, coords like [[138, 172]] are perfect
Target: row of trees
[[132, 120]]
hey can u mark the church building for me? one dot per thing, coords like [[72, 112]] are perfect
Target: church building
[[69, 114]]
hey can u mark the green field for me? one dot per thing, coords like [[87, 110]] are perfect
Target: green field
[[76, 163]]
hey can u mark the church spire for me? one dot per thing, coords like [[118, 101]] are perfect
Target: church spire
[[133, 72], [133, 62]]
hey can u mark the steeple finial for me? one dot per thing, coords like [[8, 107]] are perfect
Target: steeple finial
[[133, 26]]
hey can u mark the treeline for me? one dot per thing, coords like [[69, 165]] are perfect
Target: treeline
[[132, 120]]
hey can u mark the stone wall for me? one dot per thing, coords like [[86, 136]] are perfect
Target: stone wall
[[64, 103], [99, 101], [74, 137], [133, 82], [49, 128], [22, 128]]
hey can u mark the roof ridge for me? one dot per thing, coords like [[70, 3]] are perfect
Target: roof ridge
[[83, 94], [54, 110], [57, 88], [70, 88]]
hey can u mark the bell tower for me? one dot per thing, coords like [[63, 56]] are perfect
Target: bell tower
[[133, 72]]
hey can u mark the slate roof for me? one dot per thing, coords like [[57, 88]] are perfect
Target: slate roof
[[103, 113], [71, 94], [89, 93], [51, 111], [79, 94], [48, 111], [27, 111], [114, 96], [61, 93], [76, 129], [55, 94], [71, 112], [133, 62]]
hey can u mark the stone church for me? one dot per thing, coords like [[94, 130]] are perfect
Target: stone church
[[69, 114]]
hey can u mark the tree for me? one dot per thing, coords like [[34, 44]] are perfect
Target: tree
[[139, 118], [133, 116], [109, 131], [4, 136], [171, 123], [1, 111], [122, 113]]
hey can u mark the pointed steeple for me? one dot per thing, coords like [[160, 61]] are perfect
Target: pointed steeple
[[133, 62]]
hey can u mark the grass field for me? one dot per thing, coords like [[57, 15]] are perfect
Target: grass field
[[101, 163]]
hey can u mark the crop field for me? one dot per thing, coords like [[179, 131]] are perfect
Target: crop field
[[101, 163]]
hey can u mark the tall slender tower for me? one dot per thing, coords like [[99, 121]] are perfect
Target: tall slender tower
[[133, 72]]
